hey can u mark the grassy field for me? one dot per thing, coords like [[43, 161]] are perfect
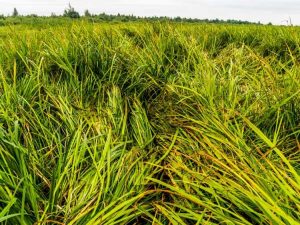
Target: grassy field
[[149, 123]]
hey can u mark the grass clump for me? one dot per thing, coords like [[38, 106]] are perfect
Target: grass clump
[[149, 123]]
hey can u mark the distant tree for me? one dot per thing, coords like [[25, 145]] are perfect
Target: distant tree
[[53, 14], [2, 17], [87, 13], [15, 12], [177, 19], [70, 12]]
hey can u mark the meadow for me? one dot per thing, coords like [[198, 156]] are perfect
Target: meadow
[[149, 123]]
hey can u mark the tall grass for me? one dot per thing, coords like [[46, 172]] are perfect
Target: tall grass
[[149, 124]]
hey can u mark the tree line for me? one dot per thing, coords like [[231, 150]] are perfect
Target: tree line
[[70, 12]]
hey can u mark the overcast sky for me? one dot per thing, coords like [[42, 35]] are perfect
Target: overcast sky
[[275, 11]]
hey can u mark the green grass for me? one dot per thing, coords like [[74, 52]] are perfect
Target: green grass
[[149, 123]]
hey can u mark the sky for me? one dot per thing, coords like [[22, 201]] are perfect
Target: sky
[[275, 11]]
